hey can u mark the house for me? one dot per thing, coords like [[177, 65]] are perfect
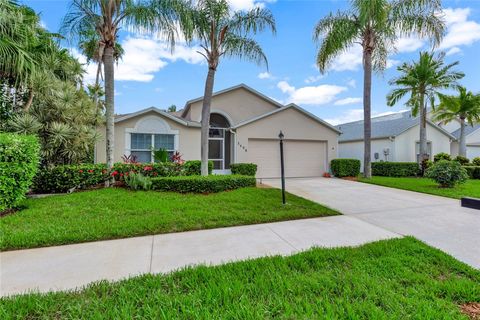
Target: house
[[472, 138], [395, 137], [244, 127]]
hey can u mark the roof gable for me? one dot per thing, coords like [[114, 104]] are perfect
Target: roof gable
[[161, 113], [468, 131]]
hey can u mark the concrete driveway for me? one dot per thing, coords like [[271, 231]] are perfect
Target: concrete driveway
[[440, 222]]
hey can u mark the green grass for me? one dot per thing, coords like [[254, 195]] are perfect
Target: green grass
[[119, 213], [394, 279], [470, 189]]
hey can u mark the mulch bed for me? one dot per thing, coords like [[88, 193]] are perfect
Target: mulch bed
[[471, 309], [8, 211]]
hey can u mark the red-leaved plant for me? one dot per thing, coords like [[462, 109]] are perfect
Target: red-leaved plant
[[129, 159], [177, 158]]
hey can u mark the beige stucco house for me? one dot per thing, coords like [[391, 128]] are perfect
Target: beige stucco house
[[244, 127]]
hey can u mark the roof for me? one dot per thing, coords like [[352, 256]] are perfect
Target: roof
[[468, 130], [242, 85], [123, 117], [386, 126], [289, 106]]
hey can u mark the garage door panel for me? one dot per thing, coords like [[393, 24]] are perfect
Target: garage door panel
[[303, 158]]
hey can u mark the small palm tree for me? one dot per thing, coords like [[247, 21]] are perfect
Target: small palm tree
[[422, 80], [106, 17], [375, 25], [223, 33], [464, 107]]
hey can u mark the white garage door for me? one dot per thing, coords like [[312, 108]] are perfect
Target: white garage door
[[303, 158]]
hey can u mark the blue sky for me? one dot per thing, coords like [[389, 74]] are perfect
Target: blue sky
[[150, 76]]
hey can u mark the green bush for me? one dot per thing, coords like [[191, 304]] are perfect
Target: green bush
[[441, 156], [193, 167], [244, 169], [447, 173], [137, 181], [476, 161], [395, 169], [202, 184], [19, 159], [152, 170], [63, 178], [462, 160], [472, 171], [345, 167]]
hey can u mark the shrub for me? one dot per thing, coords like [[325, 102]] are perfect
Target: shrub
[[201, 184], [476, 161], [472, 171], [161, 155], [138, 181], [245, 169], [62, 178], [395, 169], [462, 160], [19, 159], [447, 173], [345, 167], [152, 170], [193, 167], [442, 156]]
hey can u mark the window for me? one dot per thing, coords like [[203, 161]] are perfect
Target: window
[[142, 145]]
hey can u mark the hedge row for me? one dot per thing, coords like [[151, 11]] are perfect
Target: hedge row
[[473, 171], [244, 169], [202, 184], [19, 159], [345, 167], [395, 169]]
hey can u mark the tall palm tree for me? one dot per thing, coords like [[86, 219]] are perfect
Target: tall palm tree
[[423, 79], [224, 33], [106, 17], [464, 107], [375, 25]]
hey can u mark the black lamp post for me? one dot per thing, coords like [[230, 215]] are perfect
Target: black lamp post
[[282, 165]]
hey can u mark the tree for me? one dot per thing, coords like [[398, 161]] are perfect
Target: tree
[[223, 33], [464, 107], [172, 108], [423, 79], [106, 17], [375, 25]]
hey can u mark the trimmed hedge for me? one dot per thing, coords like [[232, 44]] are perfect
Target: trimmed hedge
[[63, 178], [244, 169], [19, 159], [345, 167], [441, 156], [395, 169], [152, 170], [193, 167], [202, 184], [462, 160], [472, 171]]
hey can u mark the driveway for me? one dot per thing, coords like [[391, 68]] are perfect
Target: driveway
[[440, 222]]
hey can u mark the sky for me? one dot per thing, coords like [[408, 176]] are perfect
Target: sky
[[150, 75]]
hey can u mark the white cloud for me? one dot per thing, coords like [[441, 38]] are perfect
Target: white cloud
[[392, 63], [350, 60], [352, 115], [248, 4], [264, 75], [312, 95], [313, 79], [453, 51], [352, 83], [461, 31], [408, 44], [348, 100]]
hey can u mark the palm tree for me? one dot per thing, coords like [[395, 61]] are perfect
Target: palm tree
[[223, 33], [375, 25], [423, 79], [106, 17], [464, 107]]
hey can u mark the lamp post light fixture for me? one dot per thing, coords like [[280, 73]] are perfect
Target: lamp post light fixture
[[282, 165]]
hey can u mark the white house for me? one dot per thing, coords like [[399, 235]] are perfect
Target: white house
[[244, 127], [395, 138], [472, 138]]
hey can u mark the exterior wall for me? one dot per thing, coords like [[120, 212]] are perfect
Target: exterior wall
[[294, 125], [236, 105], [354, 150], [473, 144], [454, 148], [187, 140]]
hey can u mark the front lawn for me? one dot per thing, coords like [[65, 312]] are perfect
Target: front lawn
[[393, 279], [119, 213], [470, 189]]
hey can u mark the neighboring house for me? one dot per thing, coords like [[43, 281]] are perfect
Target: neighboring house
[[472, 137], [395, 137], [244, 128]]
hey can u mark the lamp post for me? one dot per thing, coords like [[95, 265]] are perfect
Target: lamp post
[[282, 165]]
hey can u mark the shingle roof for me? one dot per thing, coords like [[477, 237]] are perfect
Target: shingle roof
[[386, 126], [468, 130]]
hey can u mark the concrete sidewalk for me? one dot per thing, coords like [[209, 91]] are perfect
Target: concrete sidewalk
[[73, 266]]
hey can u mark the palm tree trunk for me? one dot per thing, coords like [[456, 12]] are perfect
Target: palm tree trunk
[[463, 144], [207, 100], [29, 101], [367, 111], [109, 104], [423, 131]]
